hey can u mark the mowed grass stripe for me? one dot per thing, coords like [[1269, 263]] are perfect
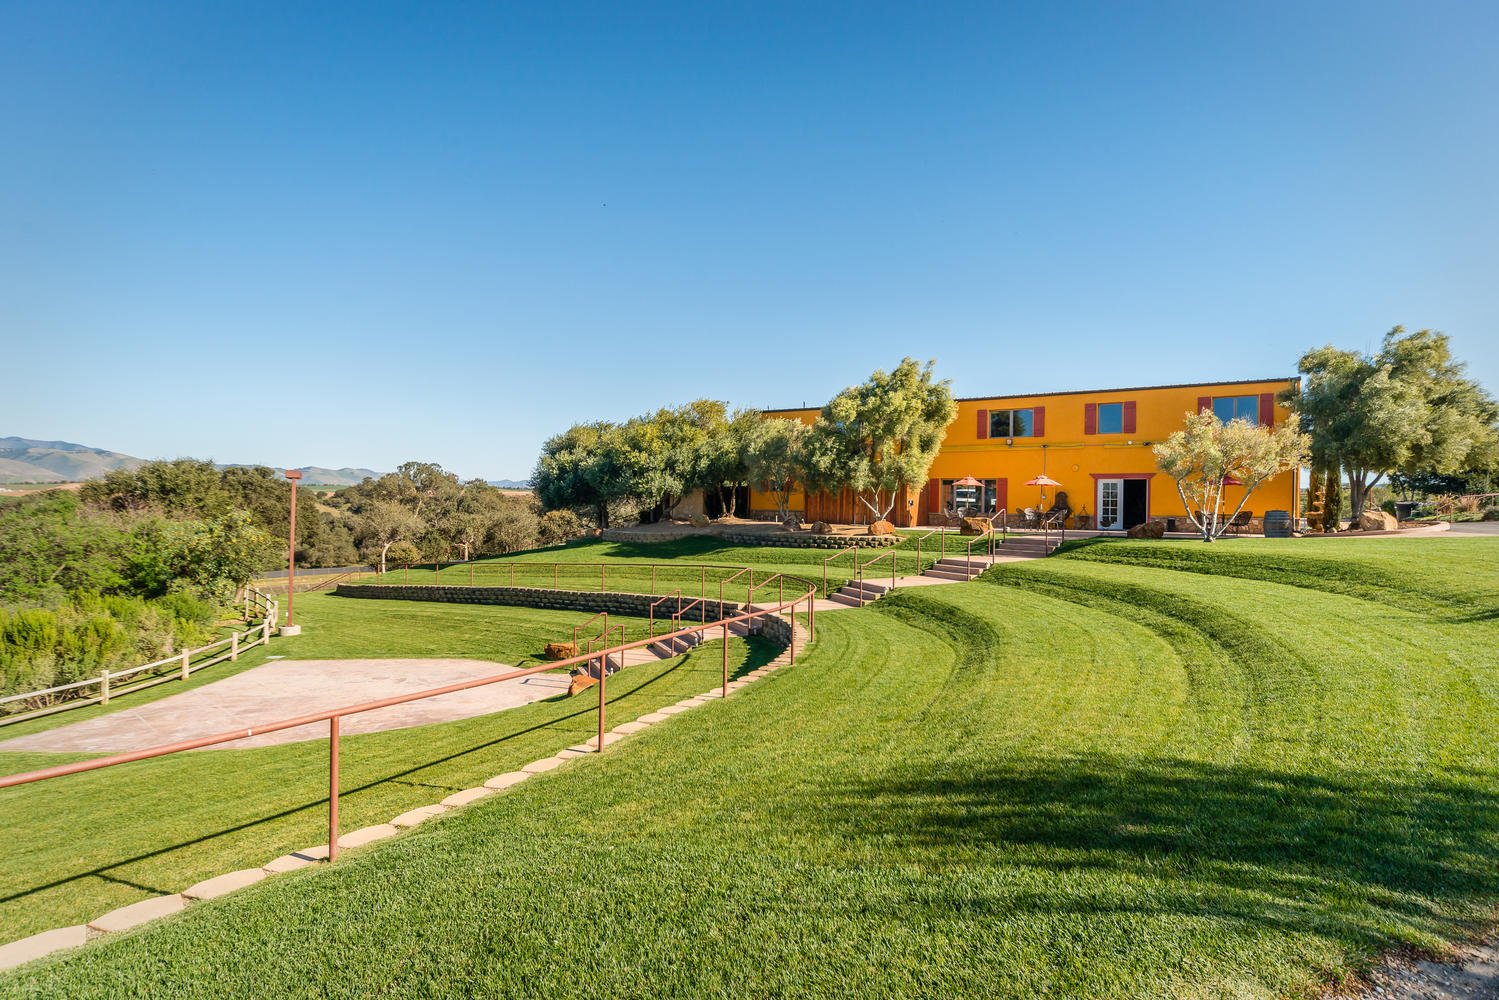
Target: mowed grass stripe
[[962, 790]]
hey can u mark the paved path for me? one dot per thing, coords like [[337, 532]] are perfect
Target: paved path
[[288, 688]]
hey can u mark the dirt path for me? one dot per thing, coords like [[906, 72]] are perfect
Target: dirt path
[[288, 688], [1472, 974]]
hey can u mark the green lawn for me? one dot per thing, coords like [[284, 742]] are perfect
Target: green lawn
[[337, 628], [629, 562], [1133, 770], [82, 845]]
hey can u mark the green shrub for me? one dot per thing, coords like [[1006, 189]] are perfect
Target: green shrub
[[1491, 513], [47, 647]]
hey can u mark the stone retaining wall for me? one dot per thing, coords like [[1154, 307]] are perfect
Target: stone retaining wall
[[633, 605], [800, 540]]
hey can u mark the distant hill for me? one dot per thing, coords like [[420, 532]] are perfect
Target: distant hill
[[511, 484], [23, 460], [315, 475]]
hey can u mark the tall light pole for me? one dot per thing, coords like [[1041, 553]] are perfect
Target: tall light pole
[[290, 628]]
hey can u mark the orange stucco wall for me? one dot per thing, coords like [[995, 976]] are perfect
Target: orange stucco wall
[[1072, 457]]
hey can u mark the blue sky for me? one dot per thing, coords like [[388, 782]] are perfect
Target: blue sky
[[356, 235]]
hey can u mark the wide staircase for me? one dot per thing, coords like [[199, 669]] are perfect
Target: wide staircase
[[953, 569]]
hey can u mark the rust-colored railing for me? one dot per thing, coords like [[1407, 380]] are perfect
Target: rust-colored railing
[[697, 602], [730, 579], [780, 581], [841, 552], [651, 627], [860, 567], [580, 627], [335, 715]]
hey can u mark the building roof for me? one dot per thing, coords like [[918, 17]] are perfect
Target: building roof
[[1081, 392]]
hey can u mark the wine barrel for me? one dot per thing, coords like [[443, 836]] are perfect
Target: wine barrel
[[1277, 524]]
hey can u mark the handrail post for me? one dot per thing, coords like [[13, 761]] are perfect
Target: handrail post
[[793, 632], [333, 789], [554, 576], [725, 692], [653, 582], [702, 580], [603, 578], [233, 646], [185, 655], [603, 675], [104, 687]]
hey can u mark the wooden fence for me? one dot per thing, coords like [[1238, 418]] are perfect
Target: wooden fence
[[180, 666]]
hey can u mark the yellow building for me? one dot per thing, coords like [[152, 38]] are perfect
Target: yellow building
[[1096, 443]]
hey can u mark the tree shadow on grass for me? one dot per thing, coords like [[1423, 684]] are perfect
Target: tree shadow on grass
[[1368, 860]]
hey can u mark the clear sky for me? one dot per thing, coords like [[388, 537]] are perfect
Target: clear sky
[[304, 234]]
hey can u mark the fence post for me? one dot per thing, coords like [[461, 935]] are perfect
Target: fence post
[[233, 646], [603, 578], [104, 688], [554, 576], [186, 654], [793, 632], [333, 789], [725, 693], [265, 630]]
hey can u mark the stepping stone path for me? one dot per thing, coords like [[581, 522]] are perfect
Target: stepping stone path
[[47, 942]]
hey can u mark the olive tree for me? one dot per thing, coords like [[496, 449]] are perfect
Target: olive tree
[[1207, 455], [879, 436], [776, 458]]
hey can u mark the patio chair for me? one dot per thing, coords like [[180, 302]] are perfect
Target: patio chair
[[1241, 521]]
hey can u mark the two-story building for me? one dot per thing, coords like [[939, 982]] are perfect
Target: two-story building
[[1095, 443]]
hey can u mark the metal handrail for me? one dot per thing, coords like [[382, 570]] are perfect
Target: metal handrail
[[333, 716], [730, 579], [859, 569], [602, 614], [682, 609], [651, 626], [835, 555]]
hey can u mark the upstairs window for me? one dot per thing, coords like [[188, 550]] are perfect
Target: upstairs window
[[1227, 408], [1012, 423], [1111, 418]]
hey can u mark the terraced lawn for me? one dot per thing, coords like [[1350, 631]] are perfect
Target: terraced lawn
[[1127, 771], [629, 562], [79, 846]]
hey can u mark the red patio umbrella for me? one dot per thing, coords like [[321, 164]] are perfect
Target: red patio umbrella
[[1043, 481]]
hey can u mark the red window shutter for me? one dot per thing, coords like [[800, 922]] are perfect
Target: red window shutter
[[934, 495], [1090, 418], [1204, 404], [1129, 417], [983, 424], [1267, 409], [1002, 494], [1038, 421]]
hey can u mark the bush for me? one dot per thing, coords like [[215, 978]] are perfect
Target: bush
[[42, 648], [1491, 513]]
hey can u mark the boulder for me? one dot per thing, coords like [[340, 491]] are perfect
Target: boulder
[[821, 528], [882, 528], [560, 650], [1150, 529], [1377, 520], [699, 520], [975, 526], [580, 682]]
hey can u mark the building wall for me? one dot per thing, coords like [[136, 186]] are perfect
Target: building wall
[[1070, 451]]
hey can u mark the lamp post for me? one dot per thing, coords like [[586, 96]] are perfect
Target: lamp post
[[290, 628]]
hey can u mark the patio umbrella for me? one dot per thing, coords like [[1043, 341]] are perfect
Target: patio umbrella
[[1043, 481], [968, 481]]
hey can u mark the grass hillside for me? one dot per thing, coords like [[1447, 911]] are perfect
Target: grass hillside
[[1161, 771]]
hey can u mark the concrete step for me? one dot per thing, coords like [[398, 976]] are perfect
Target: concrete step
[[956, 575], [847, 600], [867, 587]]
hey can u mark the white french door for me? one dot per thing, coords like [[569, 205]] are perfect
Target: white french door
[[1111, 504]]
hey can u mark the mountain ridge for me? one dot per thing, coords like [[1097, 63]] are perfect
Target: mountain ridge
[[32, 460]]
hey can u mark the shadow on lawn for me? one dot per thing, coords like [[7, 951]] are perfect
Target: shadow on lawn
[[757, 655], [1359, 856]]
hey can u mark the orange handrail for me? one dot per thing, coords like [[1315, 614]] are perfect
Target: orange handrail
[[651, 627], [861, 567], [835, 555], [333, 716], [731, 579], [602, 614]]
